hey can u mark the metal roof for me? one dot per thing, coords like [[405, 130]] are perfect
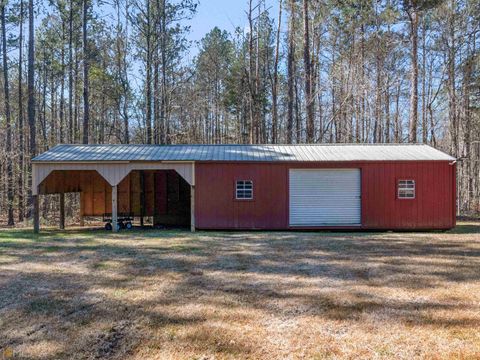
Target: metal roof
[[270, 153]]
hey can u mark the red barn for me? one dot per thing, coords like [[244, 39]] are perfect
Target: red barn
[[274, 187]]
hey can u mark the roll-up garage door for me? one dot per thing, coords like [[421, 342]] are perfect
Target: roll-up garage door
[[325, 197]]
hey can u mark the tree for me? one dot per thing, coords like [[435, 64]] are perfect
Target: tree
[[290, 71], [213, 67], [309, 104], [86, 60], [21, 129], [275, 77], [413, 9], [6, 85], [71, 127], [31, 93]]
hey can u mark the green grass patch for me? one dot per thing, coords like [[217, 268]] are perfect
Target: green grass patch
[[51, 249], [187, 248], [466, 228], [47, 306], [106, 265]]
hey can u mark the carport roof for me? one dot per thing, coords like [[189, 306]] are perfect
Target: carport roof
[[235, 153]]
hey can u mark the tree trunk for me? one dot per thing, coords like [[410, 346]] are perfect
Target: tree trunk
[[363, 118], [291, 73], [413, 75], [86, 54], [378, 98], [275, 78], [31, 95], [251, 71], [424, 53], [21, 209], [256, 102], [62, 87], [452, 101], [397, 127], [387, 111], [70, 75], [308, 71], [8, 144], [148, 93], [156, 85], [76, 96], [164, 125]]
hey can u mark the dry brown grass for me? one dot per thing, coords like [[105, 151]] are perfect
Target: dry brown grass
[[262, 295]]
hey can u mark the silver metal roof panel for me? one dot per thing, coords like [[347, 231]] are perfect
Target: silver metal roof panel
[[269, 153]]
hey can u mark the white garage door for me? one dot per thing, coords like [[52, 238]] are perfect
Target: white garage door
[[325, 197]]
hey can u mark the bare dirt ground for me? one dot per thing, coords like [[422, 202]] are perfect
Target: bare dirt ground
[[83, 294]]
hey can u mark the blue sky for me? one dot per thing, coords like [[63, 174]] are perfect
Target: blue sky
[[225, 14]]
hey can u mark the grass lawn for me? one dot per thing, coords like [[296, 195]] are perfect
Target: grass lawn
[[87, 294]]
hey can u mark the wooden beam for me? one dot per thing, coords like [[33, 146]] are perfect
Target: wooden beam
[[82, 209], [192, 200], [192, 208], [142, 196], [114, 209], [62, 210], [36, 215]]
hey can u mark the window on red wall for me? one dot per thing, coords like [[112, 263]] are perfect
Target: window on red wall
[[406, 189], [244, 190]]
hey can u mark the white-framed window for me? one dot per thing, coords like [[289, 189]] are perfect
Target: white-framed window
[[244, 190], [406, 189]]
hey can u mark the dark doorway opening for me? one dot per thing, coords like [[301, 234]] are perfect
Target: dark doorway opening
[[171, 196], [162, 197]]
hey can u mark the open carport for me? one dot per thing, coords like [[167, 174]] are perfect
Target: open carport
[[118, 188]]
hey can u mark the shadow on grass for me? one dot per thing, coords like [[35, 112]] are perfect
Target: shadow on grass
[[466, 228], [61, 281]]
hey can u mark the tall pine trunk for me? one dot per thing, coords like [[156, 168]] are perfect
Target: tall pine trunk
[[451, 83], [412, 137], [8, 119], [86, 104], [21, 209], [308, 71], [31, 97], [275, 78], [251, 71], [290, 72], [71, 131], [148, 80], [164, 119], [424, 75], [62, 86]]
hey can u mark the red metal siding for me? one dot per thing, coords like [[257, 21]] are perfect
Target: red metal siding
[[432, 208]]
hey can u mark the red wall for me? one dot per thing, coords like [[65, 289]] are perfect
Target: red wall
[[433, 207]]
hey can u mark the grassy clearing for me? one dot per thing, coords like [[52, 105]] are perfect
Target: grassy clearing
[[170, 294]]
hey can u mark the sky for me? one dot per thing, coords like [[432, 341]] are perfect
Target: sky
[[225, 14]]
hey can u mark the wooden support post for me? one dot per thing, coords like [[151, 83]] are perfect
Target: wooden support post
[[82, 211], [142, 196], [192, 208], [62, 210], [114, 209], [36, 214]]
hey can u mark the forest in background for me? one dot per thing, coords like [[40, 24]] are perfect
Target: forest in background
[[307, 71]]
